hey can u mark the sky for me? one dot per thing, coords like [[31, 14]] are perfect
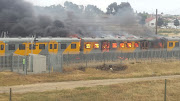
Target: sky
[[150, 6]]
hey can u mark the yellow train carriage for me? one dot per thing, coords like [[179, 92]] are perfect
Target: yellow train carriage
[[43, 46], [172, 43], [2, 48]]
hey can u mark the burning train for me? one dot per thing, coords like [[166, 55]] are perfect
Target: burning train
[[44, 46]]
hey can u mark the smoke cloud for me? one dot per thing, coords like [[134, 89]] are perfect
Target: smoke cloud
[[19, 19]]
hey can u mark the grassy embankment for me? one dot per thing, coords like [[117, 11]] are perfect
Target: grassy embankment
[[169, 32], [137, 91], [139, 69]]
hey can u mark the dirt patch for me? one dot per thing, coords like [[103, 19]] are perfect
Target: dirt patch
[[119, 67], [69, 70], [104, 67]]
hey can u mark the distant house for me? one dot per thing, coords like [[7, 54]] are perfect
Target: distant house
[[171, 25], [151, 22]]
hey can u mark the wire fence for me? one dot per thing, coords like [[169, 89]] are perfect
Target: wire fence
[[90, 59], [153, 90], [56, 62]]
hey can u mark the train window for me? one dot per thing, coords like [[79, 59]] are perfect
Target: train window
[[88, 46], [96, 46], [73, 46], [11, 47], [32, 45], [129, 45], [63, 46], [170, 44], [136, 45], [122, 45], [41, 46], [21, 46], [50, 47], [177, 44], [2, 47], [55, 46], [114, 45]]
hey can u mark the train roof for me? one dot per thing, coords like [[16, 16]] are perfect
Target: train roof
[[65, 39], [112, 39], [172, 38], [47, 39]]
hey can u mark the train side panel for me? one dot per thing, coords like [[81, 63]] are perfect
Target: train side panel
[[72, 48], [2, 48], [172, 45]]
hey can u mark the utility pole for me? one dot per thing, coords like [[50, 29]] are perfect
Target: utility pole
[[165, 90], [156, 20]]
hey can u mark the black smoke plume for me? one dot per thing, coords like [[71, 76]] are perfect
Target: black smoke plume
[[21, 18], [18, 18]]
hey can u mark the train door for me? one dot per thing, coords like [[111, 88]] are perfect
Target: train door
[[105, 46], [144, 45], [2, 49], [53, 47]]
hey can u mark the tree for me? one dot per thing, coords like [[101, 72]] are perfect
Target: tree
[[166, 23], [77, 9], [92, 10], [176, 23], [112, 8], [160, 22], [115, 9], [143, 17]]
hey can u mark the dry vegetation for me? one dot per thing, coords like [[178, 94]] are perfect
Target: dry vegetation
[[136, 91], [169, 32], [133, 69]]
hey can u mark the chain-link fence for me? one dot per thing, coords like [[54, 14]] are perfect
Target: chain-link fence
[[31, 64], [109, 57], [14, 63], [55, 62]]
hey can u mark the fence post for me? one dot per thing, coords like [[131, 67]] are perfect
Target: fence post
[[68, 59], [26, 65], [62, 62], [151, 55], [165, 91], [3, 61], [49, 66], [166, 55], [12, 63], [104, 57], [86, 59], [18, 63], [10, 94], [178, 55]]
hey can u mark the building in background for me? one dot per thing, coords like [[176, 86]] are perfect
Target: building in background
[[151, 22]]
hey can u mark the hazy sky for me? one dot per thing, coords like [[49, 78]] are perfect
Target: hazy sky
[[165, 6]]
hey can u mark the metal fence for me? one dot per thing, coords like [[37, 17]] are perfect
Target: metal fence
[[154, 90], [13, 63], [31, 64], [106, 57], [56, 62]]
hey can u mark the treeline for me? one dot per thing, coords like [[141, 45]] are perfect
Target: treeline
[[90, 10]]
